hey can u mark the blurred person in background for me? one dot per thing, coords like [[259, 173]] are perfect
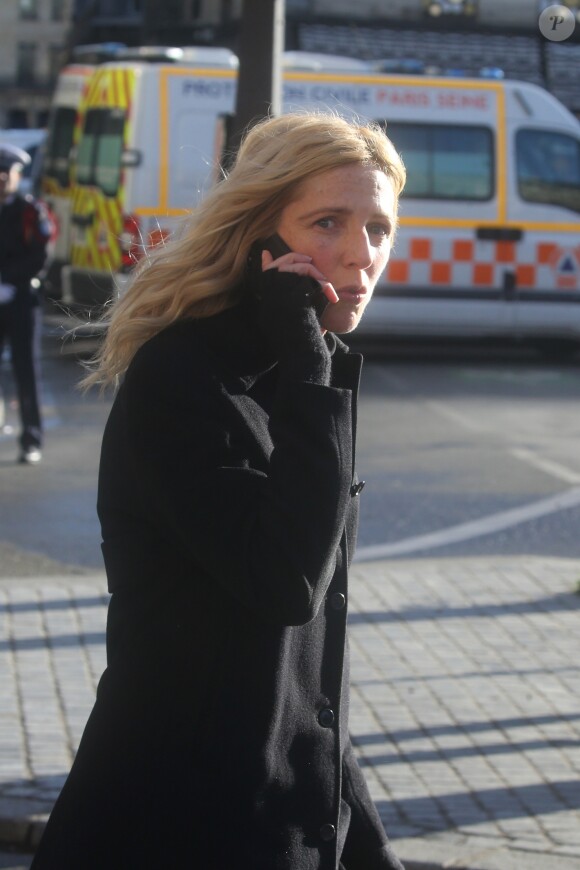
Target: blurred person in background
[[25, 233]]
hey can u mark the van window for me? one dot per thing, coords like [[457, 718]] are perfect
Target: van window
[[60, 140], [548, 168], [445, 161], [100, 150]]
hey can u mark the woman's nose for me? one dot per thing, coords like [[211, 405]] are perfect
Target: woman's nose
[[359, 251]]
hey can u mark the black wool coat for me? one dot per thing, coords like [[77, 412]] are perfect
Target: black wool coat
[[228, 505]]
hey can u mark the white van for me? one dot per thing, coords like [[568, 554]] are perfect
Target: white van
[[489, 239]]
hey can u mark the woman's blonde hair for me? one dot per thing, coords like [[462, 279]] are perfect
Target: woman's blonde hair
[[196, 274]]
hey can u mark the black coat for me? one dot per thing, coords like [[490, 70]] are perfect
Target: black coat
[[228, 504]]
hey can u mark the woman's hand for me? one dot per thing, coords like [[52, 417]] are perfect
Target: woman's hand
[[300, 264], [287, 315]]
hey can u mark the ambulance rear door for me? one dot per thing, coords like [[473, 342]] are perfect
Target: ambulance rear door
[[98, 192], [63, 134]]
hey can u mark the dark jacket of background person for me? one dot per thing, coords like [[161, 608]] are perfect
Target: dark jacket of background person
[[24, 236], [229, 504]]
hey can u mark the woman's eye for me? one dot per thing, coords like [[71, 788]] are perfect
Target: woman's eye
[[379, 230], [325, 222]]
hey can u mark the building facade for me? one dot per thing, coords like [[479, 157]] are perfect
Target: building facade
[[33, 39]]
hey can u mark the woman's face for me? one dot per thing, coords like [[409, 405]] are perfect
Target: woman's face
[[343, 219]]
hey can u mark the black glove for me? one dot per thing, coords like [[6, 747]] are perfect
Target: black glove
[[288, 321]]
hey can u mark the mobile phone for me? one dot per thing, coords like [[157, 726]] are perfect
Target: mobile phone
[[276, 245]]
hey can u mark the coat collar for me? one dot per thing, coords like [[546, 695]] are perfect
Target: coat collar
[[233, 338]]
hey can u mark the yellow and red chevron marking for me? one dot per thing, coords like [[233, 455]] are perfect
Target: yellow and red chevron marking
[[84, 92], [51, 187], [467, 263], [96, 245], [109, 88]]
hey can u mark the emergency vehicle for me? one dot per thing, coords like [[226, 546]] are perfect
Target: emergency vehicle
[[145, 157], [64, 126], [489, 237]]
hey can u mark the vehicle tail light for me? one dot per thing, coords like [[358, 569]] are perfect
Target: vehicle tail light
[[131, 242]]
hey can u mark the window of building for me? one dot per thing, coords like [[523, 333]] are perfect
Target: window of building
[[26, 63], [171, 10], [55, 61], [28, 9], [57, 10], [548, 168], [117, 9], [191, 10], [17, 118], [445, 161]]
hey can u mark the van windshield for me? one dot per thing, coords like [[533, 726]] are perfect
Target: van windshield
[[100, 150], [60, 140], [445, 161], [548, 168]]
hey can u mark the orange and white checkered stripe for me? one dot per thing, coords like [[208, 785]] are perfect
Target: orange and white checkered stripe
[[423, 261]]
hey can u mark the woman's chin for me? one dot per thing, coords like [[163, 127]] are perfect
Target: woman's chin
[[342, 319]]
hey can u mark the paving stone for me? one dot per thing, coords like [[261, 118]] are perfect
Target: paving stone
[[465, 704]]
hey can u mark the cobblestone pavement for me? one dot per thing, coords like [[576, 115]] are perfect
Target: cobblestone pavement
[[465, 704]]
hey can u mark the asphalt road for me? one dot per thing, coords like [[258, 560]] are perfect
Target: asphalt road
[[14, 861], [469, 452], [465, 451], [47, 512]]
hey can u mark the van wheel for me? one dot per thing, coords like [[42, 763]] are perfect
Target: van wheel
[[558, 349]]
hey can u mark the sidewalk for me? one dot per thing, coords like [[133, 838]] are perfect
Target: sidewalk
[[465, 704]]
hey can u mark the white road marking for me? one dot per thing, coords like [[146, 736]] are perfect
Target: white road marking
[[546, 465], [474, 529], [455, 416], [495, 522]]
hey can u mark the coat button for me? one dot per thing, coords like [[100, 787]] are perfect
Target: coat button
[[326, 717], [337, 601], [327, 832], [357, 488]]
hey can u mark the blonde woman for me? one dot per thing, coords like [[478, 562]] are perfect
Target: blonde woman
[[228, 503]]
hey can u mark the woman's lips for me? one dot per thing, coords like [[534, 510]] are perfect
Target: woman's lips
[[351, 294]]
